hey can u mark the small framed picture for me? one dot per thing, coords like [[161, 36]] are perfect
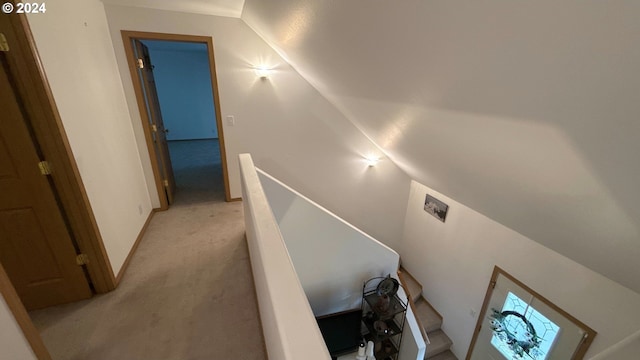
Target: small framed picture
[[436, 208]]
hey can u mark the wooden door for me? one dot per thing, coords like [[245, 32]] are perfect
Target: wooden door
[[36, 248], [145, 71]]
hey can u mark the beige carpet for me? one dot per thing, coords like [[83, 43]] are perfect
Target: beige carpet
[[187, 294]]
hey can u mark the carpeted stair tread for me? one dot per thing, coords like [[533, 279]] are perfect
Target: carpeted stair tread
[[414, 286], [430, 319], [446, 355], [440, 343]]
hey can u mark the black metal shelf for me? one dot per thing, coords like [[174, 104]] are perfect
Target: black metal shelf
[[392, 327], [391, 311], [395, 305]]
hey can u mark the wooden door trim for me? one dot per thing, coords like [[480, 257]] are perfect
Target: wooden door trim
[[582, 348], [127, 37], [22, 317], [44, 118]]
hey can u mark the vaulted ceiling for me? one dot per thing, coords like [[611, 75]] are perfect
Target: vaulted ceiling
[[527, 112]]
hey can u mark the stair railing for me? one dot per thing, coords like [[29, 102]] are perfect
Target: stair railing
[[413, 307]]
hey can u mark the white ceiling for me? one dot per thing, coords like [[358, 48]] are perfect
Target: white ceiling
[[528, 112], [231, 8]]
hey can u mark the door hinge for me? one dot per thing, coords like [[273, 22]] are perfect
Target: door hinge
[[166, 183], [45, 168], [493, 284], [154, 128], [140, 63], [4, 44], [82, 259]]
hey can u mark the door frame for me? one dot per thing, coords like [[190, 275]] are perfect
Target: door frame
[[50, 137], [582, 347], [127, 37]]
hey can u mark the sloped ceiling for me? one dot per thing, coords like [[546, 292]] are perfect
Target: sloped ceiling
[[527, 112]]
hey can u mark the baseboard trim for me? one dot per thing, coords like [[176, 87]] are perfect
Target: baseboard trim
[[125, 265], [235, 199]]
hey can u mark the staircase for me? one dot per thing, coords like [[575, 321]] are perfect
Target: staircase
[[439, 349]]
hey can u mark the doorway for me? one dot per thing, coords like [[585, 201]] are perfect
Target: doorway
[[517, 323], [176, 89], [183, 82]]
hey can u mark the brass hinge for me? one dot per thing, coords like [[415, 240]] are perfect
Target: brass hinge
[[154, 128], [493, 284], [82, 259], [140, 63], [45, 168], [166, 183], [4, 44]]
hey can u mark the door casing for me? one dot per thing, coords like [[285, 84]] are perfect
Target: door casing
[[35, 93], [44, 118], [37, 248], [127, 39], [497, 271]]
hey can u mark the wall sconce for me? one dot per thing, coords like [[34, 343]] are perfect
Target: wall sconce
[[372, 160], [262, 72]]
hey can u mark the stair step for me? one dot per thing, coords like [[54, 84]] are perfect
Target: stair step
[[414, 287], [446, 355], [440, 343], [429, 318]]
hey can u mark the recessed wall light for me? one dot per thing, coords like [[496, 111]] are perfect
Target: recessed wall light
[[262, 72], [372, 160]]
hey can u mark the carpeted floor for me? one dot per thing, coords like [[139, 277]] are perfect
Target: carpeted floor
[[187, 294], [198, 170]]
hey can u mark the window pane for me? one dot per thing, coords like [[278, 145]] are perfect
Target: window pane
[[521, 331]]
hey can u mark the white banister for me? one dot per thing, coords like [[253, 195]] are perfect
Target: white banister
[[289, 326], [333, 258]]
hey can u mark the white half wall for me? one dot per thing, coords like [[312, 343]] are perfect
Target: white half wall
[[77, 54], [289, 327], [12, 341], [292, 131], [454, 261], [332, 258]]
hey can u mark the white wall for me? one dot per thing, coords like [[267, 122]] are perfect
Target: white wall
[[76, 50], [12, 341], [294, 133], [183, 82], [628, 348], [630, 352], [454, 261]]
